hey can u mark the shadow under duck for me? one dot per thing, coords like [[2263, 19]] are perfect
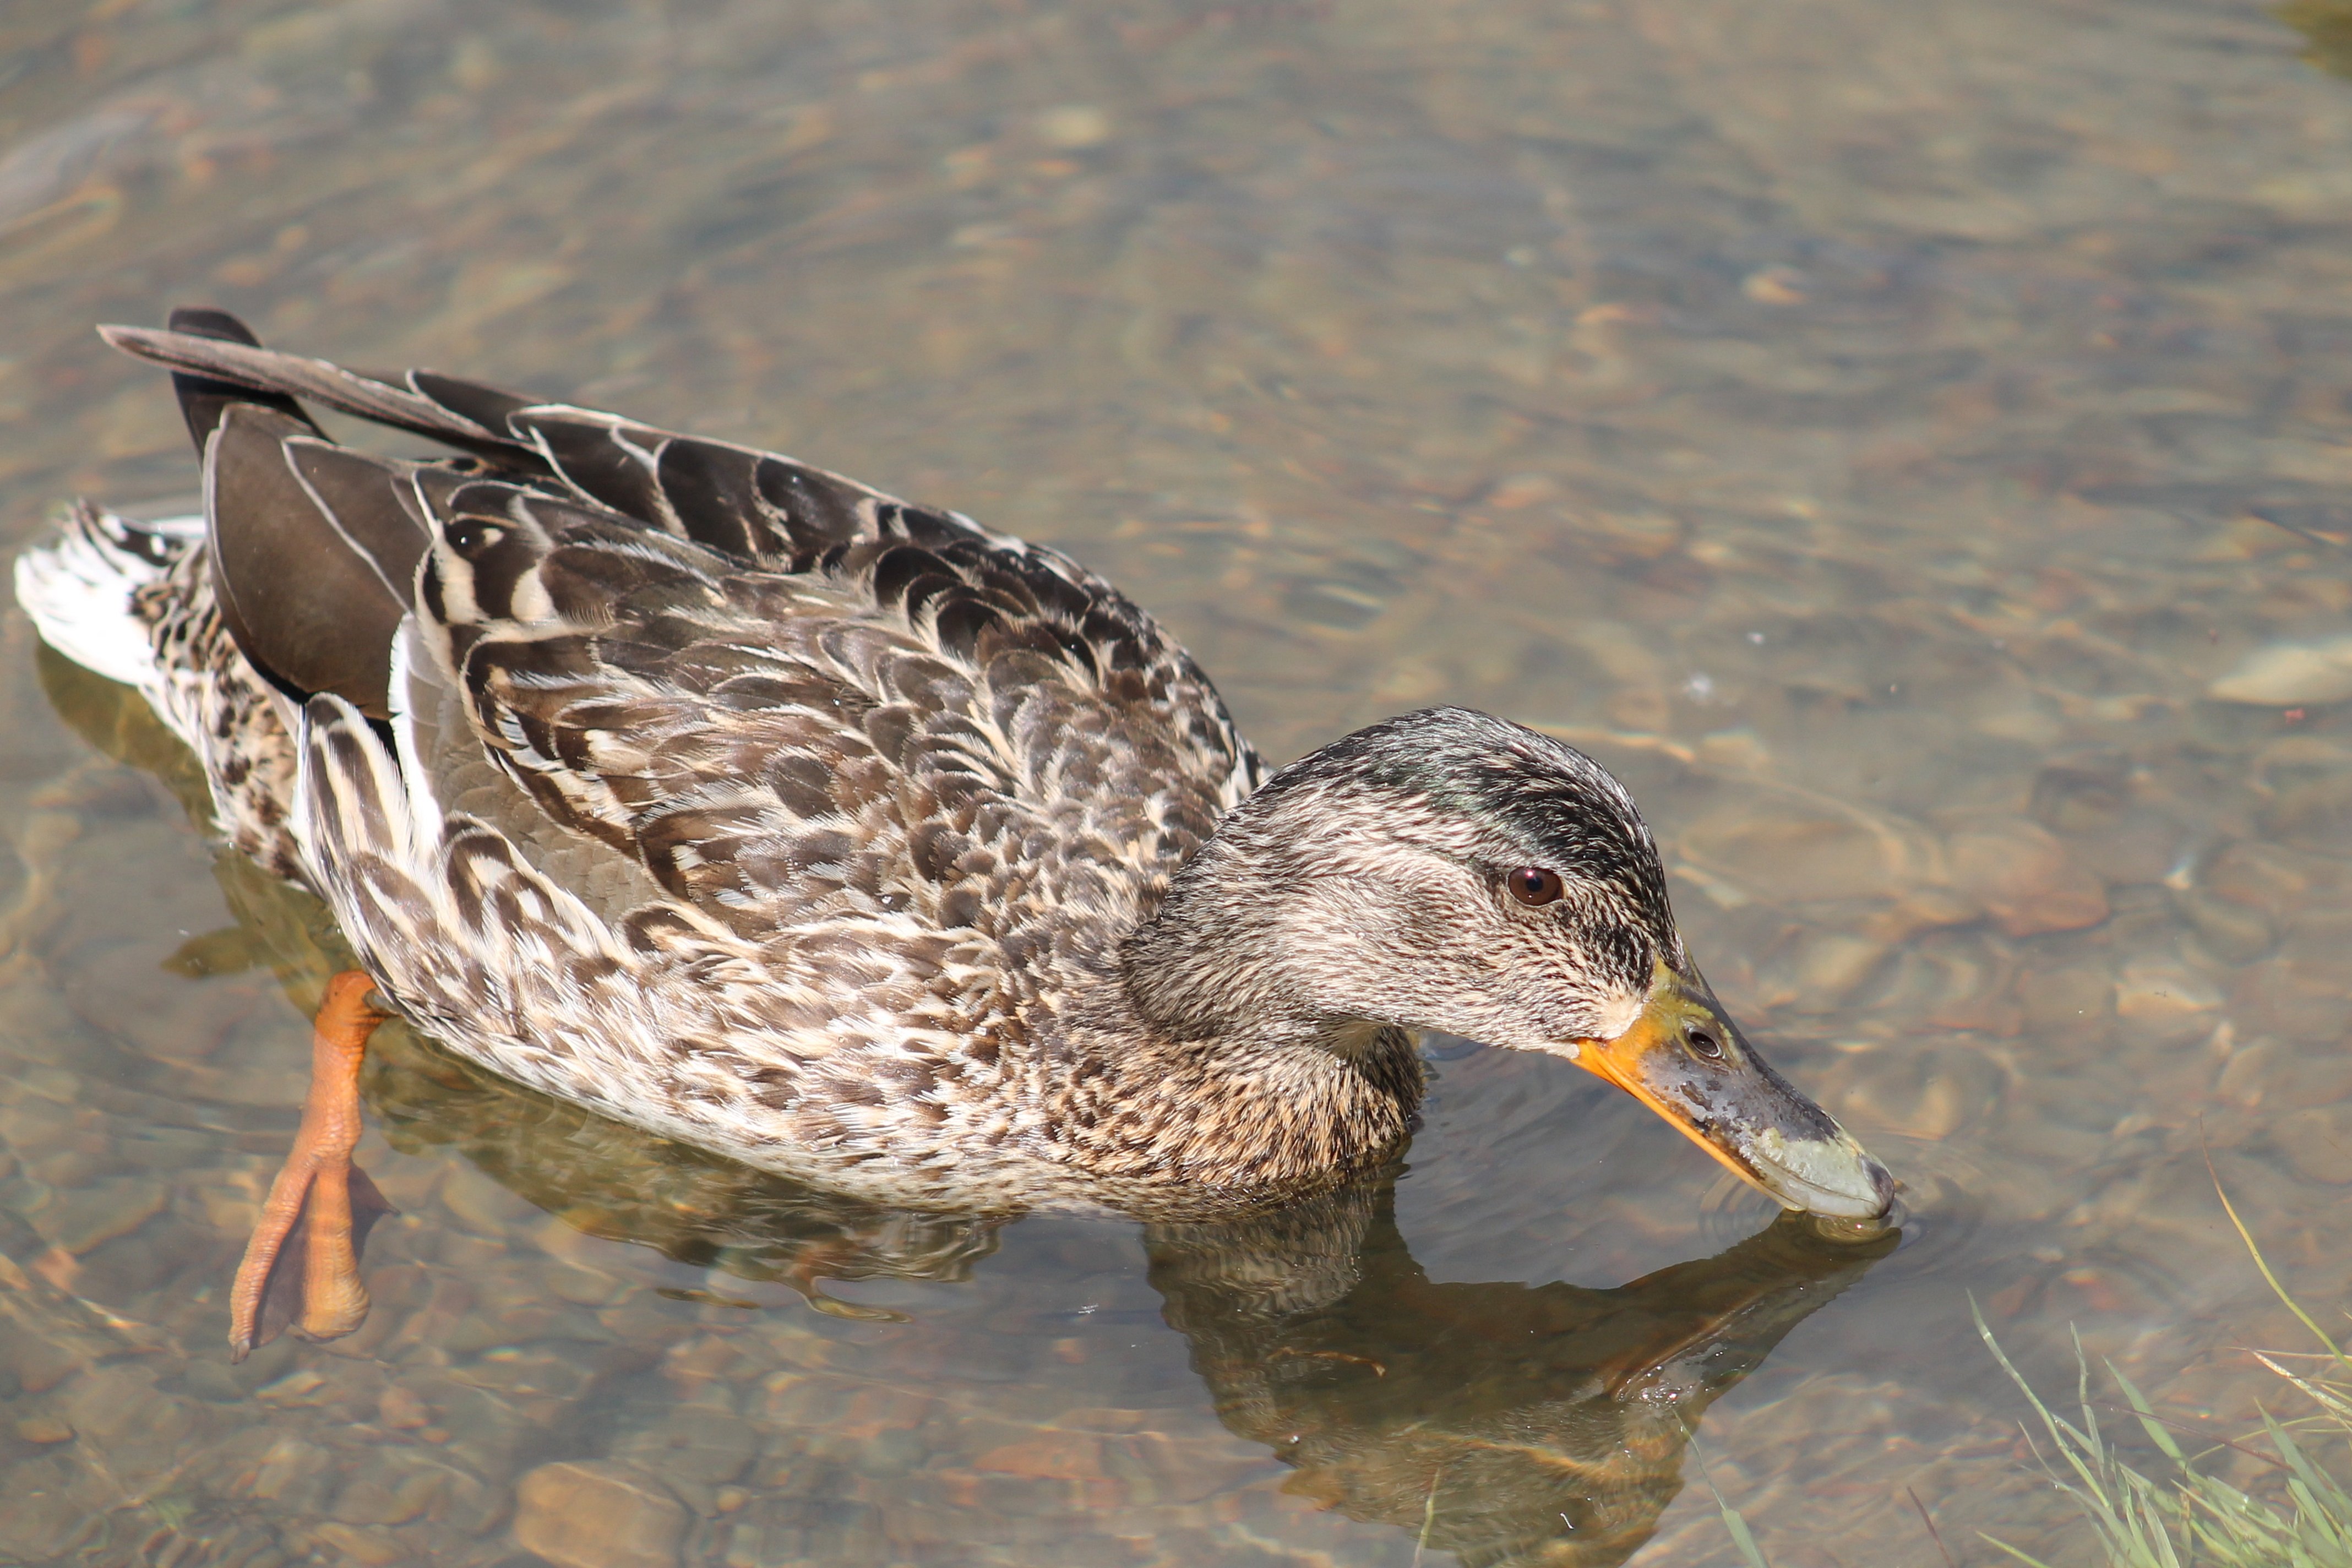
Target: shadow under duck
[[844, 836]]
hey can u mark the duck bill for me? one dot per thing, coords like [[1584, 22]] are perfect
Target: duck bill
[[1734, 1106]]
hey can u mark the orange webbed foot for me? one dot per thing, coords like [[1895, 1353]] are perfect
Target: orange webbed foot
[[301, 1268]]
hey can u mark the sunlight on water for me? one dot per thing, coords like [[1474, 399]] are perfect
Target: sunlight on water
[[1907, 443]]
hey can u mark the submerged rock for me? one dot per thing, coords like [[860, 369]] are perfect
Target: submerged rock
[[2025, 879], [2317, 1141], [2284, 675], [597, 1515]]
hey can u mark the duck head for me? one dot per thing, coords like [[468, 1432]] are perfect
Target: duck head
[[1454, 871]]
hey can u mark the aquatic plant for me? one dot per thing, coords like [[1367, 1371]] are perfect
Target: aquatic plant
[[2190, 1517], [1735, 1523], [2187, 1519]]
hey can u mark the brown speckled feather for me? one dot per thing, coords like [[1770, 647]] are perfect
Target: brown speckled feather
[[896, 785], [929, 719], [208, 693]]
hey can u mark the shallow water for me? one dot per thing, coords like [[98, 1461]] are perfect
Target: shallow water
[[1903, 440]]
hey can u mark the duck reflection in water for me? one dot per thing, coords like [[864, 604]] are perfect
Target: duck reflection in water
[[1502, 1422]]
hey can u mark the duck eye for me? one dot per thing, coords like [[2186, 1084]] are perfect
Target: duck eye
[[1534, 885], [1702, 1040]]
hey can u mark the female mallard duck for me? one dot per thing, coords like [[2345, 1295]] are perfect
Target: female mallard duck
[[847, 837]]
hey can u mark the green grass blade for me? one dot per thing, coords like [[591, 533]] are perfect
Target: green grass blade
[[2263, 1263], [2080, 1447], [2013, 1551], [2157, 1433], [1733, 1522], [2190, 1519]]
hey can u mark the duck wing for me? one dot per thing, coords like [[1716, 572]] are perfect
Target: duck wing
[[926, 718], [788, 697]]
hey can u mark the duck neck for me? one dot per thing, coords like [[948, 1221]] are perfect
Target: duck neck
[[1239, 1116], [1251, 1075]]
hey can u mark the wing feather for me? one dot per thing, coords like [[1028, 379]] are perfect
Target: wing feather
[[788, 697], [779, 747]]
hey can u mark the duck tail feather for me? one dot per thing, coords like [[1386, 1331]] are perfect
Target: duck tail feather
[[81, 589], [277, 494], [204, 398], [217, 350]]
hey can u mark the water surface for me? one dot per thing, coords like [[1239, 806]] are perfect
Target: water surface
[[1906, 441]]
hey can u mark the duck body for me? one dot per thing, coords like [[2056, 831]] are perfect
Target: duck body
[[843, 837]]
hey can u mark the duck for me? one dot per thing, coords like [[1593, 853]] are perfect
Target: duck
[[844, 836]]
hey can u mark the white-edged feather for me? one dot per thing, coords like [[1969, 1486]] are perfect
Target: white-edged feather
[[78, 590], [414, 694]]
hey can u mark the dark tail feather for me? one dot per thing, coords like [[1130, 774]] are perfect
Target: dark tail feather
[[204, 398], [214, 349], [757, 505], [313, 556], [309, 607]]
